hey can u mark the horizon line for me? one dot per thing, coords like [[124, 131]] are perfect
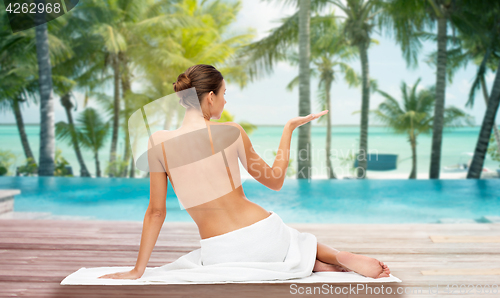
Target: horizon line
[[279, 125], [254, 124]]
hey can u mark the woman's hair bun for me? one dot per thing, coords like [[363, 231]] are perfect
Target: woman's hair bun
[[203, 78], [183, 82]]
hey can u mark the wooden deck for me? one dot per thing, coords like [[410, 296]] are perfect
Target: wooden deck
[[35, 255]]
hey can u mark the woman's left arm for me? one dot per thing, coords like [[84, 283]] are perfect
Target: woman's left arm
[[153, 221]]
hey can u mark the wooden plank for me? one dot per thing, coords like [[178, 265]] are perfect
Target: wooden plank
[[35, 255], [464, 239], [458, 271]]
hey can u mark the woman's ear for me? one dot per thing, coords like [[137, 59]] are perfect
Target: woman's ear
[[210, 98]]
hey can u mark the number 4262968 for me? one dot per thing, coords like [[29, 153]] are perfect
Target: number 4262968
[[33, 8]]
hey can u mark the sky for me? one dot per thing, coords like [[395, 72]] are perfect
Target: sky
[[267, 102]]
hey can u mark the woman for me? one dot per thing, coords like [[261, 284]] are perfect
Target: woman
[[228, 213]]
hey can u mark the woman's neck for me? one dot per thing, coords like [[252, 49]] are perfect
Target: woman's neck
[[194, 119]]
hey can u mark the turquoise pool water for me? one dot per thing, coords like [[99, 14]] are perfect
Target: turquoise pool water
[[299, 201]]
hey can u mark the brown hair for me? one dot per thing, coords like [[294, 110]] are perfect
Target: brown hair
[[204, 78]]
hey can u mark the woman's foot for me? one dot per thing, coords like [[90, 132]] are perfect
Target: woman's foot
[[363, 265]]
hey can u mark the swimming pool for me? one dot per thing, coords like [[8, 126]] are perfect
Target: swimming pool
[[299, 201]]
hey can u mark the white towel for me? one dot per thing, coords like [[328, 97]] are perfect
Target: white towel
[[267, 251]]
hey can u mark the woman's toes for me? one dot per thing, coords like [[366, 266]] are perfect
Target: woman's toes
[[383, 274], [384, 266]]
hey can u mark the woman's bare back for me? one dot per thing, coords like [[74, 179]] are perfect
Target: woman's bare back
[[202, 164], [228, 213]]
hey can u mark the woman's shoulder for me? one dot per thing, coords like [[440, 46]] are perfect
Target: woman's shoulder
[[224, 134]]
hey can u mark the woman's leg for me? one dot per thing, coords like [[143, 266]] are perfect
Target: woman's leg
[[327, 254], [363, 265], [321, 266]]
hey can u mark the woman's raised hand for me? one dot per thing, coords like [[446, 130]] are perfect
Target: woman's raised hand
[[298, 121]]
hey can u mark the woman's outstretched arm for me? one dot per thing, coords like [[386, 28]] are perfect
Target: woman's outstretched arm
[[272, 177]]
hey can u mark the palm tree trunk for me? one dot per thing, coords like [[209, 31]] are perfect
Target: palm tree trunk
[[126, 153], [97, 165], [22, 132], [132, 168], [68, 105], [365, 106], [476, 166], [126, 89], [495, 128], [116, 115], [329, 167], [437, 130], [304, 142], [413, 143], [47, 127]]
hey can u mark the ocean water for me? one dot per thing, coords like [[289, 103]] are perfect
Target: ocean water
[[265, 140]]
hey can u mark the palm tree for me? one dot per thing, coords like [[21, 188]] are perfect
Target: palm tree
[[410, 20], [479, 26], [203, 41], [63, 72], [485, 132], [480, 78], [414, 115], [70, 127], [111, 21], [73, 65], [18, 83], [304, 140], [329, 51], [129, 29], [93, 133], [328, 69], [20, 80], [127, 90], [47, 130], [473, 48], [15, 106], [264, 54], [358, 28]]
